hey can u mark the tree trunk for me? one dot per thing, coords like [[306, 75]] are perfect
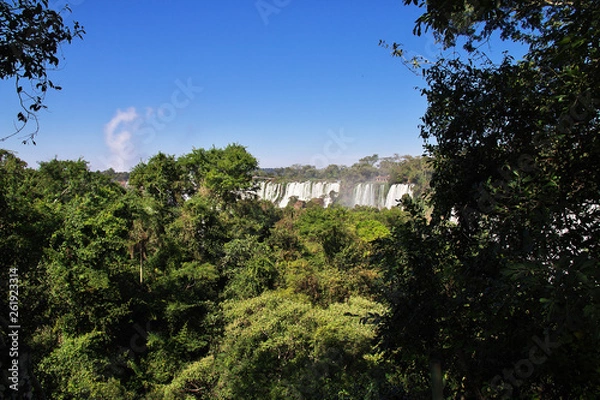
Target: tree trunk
[[437, 383], [141, 266]]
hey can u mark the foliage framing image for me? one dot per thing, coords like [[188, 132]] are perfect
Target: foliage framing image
[[515, 153], [31, 35], [182, 285]]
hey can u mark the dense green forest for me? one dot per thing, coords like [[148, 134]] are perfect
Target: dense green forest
[[141, 293], [486, 286], [182, 287]]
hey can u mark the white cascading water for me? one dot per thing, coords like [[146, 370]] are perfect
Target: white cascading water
[[363, 194], [395, 194], [369, 194], [281, 193]]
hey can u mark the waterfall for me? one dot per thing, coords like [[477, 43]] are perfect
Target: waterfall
[[269, 191], [361, 194], [368, 194], [395, 193], [281, 193]]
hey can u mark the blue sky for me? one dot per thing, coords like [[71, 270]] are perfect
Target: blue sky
[[296, 81]]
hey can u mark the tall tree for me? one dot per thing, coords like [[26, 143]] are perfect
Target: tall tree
[[516, 160], [223, 173], [161, 178]]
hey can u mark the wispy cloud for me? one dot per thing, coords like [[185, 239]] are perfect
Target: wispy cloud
[[127, 132], [118, 135]]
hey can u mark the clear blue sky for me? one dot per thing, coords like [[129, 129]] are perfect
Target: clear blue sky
[[296, 81]]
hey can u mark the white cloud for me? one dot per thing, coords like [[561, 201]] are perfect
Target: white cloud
[[118, 135]]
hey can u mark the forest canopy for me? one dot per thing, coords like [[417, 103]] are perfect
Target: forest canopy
[[178, 286]]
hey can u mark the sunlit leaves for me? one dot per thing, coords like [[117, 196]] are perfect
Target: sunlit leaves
[[280, 346]]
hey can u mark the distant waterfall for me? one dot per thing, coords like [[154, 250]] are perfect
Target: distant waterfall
[[377, 195], [395, 194], [281, 193], [369, 194]]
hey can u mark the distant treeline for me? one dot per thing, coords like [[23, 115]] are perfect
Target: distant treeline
[[394, 169], [415, 170], [116, 176]]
